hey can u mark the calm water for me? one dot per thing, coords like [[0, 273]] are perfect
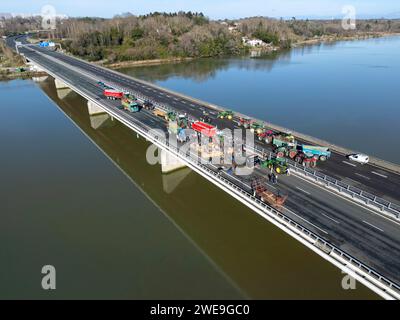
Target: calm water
[[77, 193], [346, 93]]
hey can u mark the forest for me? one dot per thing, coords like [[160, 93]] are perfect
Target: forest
[[127, 37]]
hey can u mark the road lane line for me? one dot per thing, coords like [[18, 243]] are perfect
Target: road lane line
[[330, 218], [379, 174], [371, 225], [350, 164], [306, 220], [360, 175], [306, 192]]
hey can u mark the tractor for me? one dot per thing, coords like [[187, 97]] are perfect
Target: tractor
[[266, 135], [148, 105], [225, 115], [244, 122], [306, 160], [205, 117], [256, 128], [279, 165]]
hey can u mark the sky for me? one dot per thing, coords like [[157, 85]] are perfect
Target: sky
[[215, 9]]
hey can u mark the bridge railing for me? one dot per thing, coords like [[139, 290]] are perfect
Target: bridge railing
[[344, 189]]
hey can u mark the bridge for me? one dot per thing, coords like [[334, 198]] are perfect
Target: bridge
[[346, 213]]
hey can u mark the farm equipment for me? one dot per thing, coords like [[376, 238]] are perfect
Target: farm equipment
[[279, 165], [260, 190], [159, 113], [225, 115], [179, 132], [265, 135], [113, 94], [305, 160], [256, 128], [204, 128], [321, 153], [130, 105], [205, 117], [148, 105], [244, 122]]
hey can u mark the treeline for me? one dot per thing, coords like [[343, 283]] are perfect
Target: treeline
[[185, 34]]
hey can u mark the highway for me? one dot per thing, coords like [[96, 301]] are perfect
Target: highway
[[370, 178], [360, 232]]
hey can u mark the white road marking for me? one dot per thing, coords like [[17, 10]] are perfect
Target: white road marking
[[303, 190], [350, 164], [330, 218], [360, 175], [371, 225], [306, 221], [379, 174]]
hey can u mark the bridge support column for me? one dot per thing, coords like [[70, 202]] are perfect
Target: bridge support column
[[170, 163], [60, 84], [94, 108]]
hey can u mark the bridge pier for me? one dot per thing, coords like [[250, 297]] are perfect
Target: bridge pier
[[60, 84], [94, 108], [170, 163]]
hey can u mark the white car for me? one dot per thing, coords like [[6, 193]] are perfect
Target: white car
[[360, 158]]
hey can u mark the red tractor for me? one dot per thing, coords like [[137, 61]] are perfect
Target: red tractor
[[266, 135], [305, 160], [244, 122]]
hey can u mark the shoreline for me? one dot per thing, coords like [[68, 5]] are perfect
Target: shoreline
[[22, 75], [272, 49]]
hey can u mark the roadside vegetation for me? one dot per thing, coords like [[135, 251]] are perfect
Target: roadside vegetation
[[189, 35]]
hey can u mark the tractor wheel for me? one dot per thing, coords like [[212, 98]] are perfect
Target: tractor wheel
[[322, 158], [313, 164], [298, 159], [268, 140], [260, 138], [280, 154], [278, 170]]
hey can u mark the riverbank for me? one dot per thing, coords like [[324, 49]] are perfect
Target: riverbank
[[335, 38], [262, 50], [7, 75]]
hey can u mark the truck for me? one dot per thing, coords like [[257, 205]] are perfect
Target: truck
[[228, 114], [286, 140], [130, 105], [261, 191], [113, 94], [204, 128], [179, 132]]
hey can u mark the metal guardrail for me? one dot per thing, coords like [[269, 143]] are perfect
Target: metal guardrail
[[344, 189], [361, 270]]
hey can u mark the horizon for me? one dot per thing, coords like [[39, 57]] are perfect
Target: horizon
[[223, 9]]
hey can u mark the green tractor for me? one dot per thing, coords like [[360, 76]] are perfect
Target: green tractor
[[257, 128], [277, 164], [171, 116], [225, 115]]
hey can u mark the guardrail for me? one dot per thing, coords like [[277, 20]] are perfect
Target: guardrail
[[340, 187], [341, 259]]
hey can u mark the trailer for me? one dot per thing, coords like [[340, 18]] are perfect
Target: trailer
[[321, 153], [261, 191], [204, 128], [113, 94], [159, 113], [265, 135]]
